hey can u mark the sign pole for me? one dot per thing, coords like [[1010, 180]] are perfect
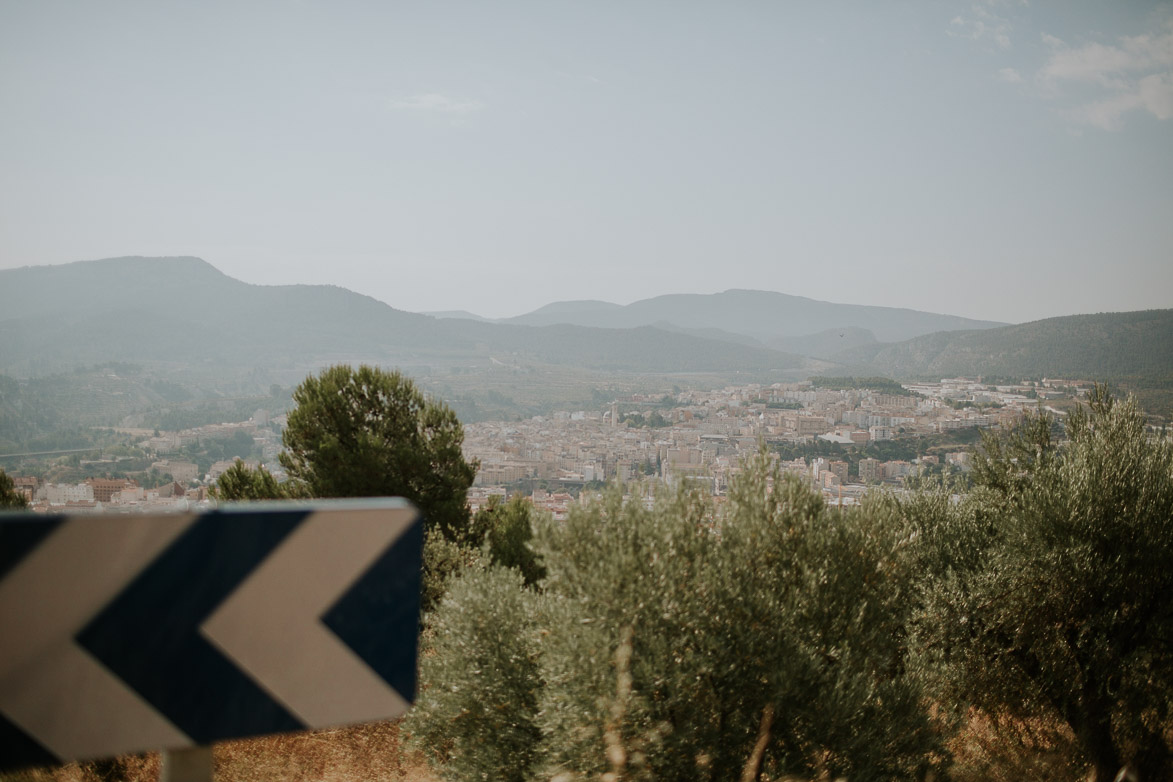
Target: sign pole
[[190, 764]]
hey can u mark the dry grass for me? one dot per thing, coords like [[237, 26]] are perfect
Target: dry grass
[[363, 753], [1002, 749], [988, 749]]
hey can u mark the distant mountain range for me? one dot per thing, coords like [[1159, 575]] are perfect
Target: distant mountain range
[[899, 343], [182, 311], [767, 317]]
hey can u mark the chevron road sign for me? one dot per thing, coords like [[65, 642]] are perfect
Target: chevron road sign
[[131, 633]]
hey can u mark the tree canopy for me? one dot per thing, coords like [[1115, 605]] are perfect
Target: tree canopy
[[10, 498], [368, 432], [507, 529], [1050, 599], [241, 483], [673, 642]]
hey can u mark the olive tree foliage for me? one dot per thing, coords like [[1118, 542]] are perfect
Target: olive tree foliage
[[505, 529], [501, 531], [475, 715], [674, 642], [1050, 598], [777, 623], [241, 483], [443, 560], [10, 498], [368, 432]]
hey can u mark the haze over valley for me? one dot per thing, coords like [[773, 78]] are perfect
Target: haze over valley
[[190, 337]]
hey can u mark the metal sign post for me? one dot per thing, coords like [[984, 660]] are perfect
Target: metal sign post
[[187, 765]]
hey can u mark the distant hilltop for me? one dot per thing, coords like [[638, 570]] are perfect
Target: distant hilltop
[[763, 315]]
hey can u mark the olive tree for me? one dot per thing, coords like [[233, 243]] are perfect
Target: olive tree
[[475, 716], [506, 529], [671, 640], [368, 432], [1055, 605], [767, 638]]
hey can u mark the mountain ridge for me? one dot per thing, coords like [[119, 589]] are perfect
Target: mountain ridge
[[1090, 346], [183, 311], [162, 309], [763, 315]]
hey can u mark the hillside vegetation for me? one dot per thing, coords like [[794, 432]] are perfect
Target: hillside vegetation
[[1115, 344]]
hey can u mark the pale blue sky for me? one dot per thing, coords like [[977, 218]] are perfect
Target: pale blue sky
[[1001, 160]]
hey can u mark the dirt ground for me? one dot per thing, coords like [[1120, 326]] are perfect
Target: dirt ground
[[362, 753]]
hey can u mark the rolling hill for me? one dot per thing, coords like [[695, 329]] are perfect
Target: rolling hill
[[762, 315], [1101, 346], [184, 311]]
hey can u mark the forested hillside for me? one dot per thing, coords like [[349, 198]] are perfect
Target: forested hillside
[[1115, 344]]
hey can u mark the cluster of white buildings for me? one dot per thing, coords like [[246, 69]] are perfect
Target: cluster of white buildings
[[108, 495]]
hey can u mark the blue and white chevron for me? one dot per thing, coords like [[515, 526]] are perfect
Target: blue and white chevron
[[131, 633]]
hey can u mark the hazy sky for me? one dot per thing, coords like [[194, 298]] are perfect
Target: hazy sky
[[1002, 160]]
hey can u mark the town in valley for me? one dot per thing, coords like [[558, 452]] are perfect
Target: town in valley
[[845, 438]]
